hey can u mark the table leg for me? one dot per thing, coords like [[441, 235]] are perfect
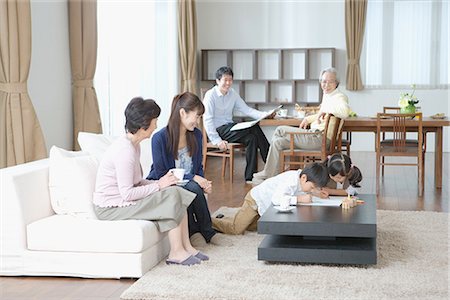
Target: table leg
[[438, 148]]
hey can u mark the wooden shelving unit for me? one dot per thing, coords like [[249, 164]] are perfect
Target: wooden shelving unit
[[272, 76]]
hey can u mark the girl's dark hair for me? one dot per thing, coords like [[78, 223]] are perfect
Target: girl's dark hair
[[341, 164], [355, 177], [316, 173], [189, 102], [139, 113]]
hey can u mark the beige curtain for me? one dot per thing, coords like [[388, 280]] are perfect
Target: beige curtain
[[83, 59], [355, 20], [187, 43], [21, 138]]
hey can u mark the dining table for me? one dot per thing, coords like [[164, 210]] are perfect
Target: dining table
[[369, 124]]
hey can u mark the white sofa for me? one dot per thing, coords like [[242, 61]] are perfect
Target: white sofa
[[36, 241]]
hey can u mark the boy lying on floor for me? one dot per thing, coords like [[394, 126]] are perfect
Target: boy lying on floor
[[296, 185]]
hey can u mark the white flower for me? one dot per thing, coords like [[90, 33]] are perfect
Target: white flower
[[403, 102], [407, 99]]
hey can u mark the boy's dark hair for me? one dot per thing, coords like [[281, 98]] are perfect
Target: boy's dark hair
[[341, 164], [139, 113], [223, 71], [317, 173]]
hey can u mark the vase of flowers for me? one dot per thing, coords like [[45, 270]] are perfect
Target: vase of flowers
[[407, 102]]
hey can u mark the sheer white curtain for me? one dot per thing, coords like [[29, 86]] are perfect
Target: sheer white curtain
[[137, 56], [406, 42]]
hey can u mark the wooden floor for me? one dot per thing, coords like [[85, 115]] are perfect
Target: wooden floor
[[399, 192], [398, 187]]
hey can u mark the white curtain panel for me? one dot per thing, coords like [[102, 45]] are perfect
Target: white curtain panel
[[406, 42], [137, 56]]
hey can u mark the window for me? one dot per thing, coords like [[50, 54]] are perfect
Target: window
[[406, 42], [137, 56]]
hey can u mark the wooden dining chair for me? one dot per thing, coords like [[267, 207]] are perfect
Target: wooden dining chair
[[399, 145], [384, 140], [209, 149], [388, 140], [391, 109], [346, 142], [293, 157]]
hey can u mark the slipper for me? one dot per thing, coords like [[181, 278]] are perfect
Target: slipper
[[191, 260], [201, 256]]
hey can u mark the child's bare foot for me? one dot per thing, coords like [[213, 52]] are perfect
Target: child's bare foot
[[197, 240], [219, 239]]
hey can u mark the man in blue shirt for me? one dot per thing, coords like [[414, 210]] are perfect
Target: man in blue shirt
[[220, 102]]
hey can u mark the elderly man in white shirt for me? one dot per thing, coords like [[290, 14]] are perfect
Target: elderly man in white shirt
[[333, 102], [220, 102]]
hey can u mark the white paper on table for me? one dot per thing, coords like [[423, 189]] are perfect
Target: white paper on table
[[248, 124], [332, 201]]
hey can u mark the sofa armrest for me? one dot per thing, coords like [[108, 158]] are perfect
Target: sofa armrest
[[24, 199]]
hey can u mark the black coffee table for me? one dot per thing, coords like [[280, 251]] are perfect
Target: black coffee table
[[320, 234]]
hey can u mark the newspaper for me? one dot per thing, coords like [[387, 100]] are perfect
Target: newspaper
[[248, 124]]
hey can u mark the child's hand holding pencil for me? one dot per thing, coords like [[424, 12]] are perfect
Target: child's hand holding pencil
[[321, 193]]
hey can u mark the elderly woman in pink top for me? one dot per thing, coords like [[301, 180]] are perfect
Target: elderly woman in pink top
[[121, 193]]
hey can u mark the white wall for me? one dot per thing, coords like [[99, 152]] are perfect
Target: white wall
[[296, 24], [49, 80], [50, 73]]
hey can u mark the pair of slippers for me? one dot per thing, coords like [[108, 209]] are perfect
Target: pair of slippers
[[191, 260]]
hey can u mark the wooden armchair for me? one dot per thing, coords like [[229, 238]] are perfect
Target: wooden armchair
[[331, 143], [399, 146]]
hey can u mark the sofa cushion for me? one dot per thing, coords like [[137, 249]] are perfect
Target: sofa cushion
[[72, 177], [68, 233], [95, 144]]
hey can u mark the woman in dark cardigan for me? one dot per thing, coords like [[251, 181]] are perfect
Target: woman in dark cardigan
[[179, 145]]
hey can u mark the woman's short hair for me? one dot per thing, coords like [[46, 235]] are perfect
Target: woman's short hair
[[224, 71], [139, 113], [330, 70]]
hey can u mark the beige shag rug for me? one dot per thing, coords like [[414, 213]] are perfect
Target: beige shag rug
[[413, 254]]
